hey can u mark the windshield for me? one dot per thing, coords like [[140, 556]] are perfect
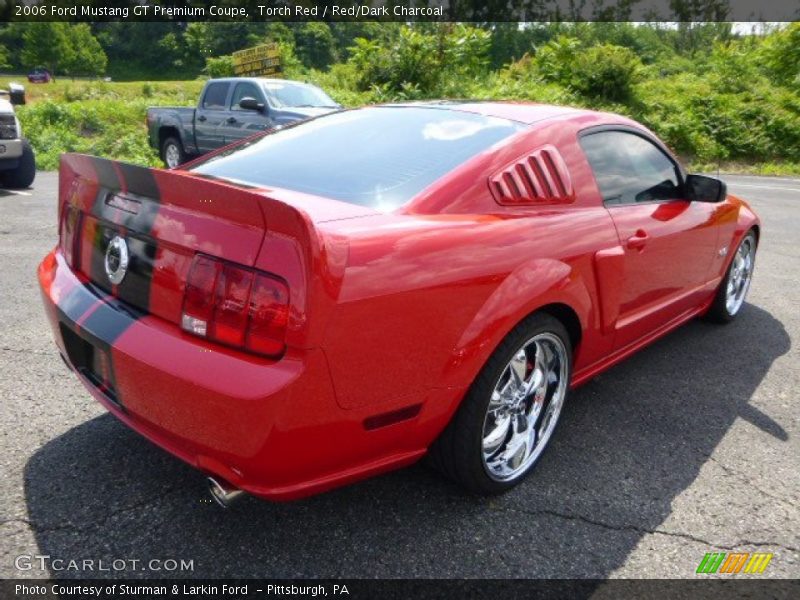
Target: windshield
[[379, 156], [285, 95]]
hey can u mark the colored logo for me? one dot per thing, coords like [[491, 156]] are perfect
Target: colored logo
[[735, 562], [116, 262]]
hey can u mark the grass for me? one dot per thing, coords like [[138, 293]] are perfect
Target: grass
[[96, 117], [108, 119], [66, 90]]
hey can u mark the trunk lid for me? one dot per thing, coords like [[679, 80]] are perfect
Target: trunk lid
[[164, 219]]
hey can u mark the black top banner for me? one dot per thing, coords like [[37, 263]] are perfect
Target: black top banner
[[400, 10]]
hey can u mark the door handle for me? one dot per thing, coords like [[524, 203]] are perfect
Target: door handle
[[201, 118], [231, 119], [638, 240]]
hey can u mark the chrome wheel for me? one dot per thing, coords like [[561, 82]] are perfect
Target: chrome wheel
[[524, 407], [172, 156], [740, 275]]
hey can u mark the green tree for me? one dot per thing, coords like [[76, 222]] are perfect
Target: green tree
[[135, 51], [86, 56], [781, 53], [315, 45], [46, 44]]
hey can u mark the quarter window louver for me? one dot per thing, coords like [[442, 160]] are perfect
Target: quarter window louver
[[539, 178]]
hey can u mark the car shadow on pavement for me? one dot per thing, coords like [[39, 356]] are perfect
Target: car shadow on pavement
[[630, 442]]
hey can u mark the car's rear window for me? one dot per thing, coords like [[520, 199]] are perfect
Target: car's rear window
[[379, 156]]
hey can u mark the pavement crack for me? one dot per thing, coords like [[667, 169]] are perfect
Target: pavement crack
[[99, 522], [742, 477], [25, 351], [645, 530]]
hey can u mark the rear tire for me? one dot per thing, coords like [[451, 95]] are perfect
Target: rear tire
[[510, 412], [23, 176], [172, 152], [734, 286]]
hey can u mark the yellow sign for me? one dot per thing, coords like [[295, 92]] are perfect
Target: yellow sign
[[257, 61]]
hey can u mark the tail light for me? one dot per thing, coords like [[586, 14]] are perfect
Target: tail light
[[68, 234], [236, 306]]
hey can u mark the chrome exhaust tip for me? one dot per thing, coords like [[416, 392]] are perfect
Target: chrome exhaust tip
[[223, 493]]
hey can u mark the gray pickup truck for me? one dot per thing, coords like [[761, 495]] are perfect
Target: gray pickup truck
[[229, 110]]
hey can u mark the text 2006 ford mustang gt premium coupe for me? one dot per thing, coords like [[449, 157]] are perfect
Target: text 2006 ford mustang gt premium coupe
[[337, 298]]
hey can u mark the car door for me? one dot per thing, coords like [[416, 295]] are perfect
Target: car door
[[242, 123], [211, 115], [668, 242]]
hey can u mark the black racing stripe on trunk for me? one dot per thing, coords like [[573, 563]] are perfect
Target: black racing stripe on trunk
[[135, 226], [140, 181], [107, 179], [135, 288], [106, 173], [97, 271]]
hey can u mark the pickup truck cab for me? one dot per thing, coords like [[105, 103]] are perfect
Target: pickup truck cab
[[229, 110]]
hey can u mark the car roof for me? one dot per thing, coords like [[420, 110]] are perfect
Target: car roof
[[522, 112]]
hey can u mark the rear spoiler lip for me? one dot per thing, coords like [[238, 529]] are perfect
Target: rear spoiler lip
[[279, 224]]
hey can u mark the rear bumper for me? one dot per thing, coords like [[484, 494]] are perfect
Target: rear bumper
[[271, 428]]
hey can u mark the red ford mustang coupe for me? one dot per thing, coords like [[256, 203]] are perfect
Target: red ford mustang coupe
[[338, 298]]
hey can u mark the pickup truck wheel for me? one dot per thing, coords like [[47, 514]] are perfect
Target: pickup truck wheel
[[510, 412], [172, 152], [24, 174]]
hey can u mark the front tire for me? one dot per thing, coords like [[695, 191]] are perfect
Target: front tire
[[172, 152], [510, 412], [22, 177], [734, 286]]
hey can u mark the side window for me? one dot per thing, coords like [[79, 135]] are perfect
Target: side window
[[214, 98], [629, 169], [244, 90]]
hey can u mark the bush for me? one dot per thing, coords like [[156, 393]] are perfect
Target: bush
[[556, 58], [421, 63], [221, 66], [606, 73]]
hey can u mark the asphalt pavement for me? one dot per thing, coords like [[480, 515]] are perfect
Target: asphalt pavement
[[691, 446]]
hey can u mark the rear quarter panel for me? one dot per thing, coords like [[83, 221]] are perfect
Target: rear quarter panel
[[426, 298]]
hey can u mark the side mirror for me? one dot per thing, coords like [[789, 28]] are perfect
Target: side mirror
[[700, 188], [16, 94], [248, 103]]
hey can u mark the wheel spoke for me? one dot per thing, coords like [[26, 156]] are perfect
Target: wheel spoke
[[516, 449], [524, 407], [495, 437], [518, 368], [741, 271]]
